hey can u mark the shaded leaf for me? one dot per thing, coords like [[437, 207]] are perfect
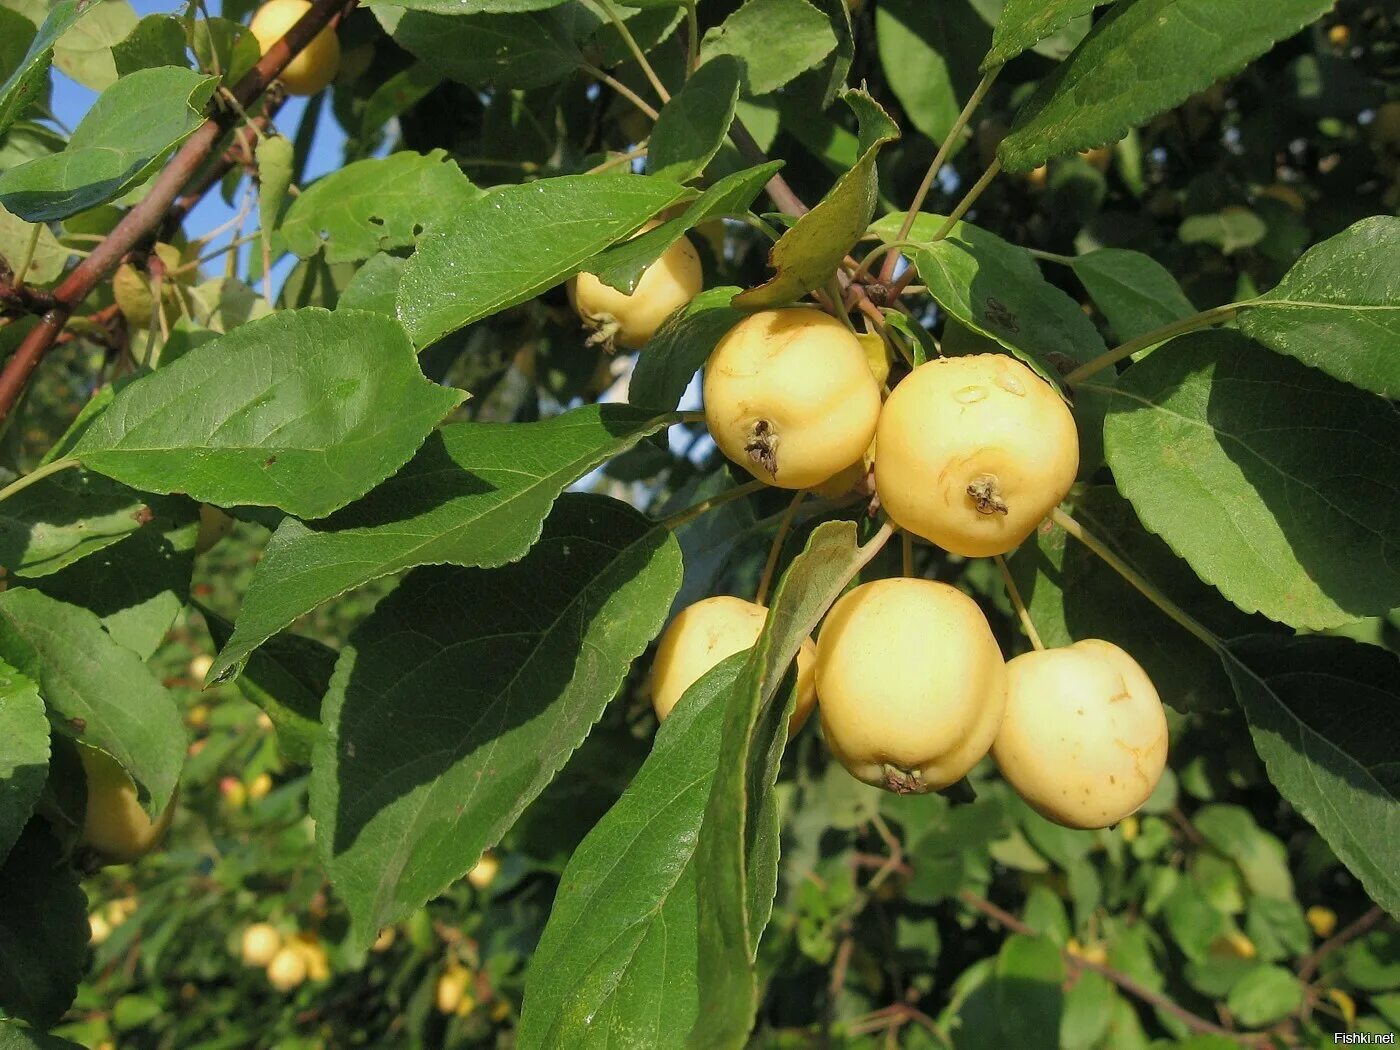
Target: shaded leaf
[[1025, 23], [1136, 293], [65, 517], [126, 134], [1229, 229], [157, 40], [929, 53], [287, 411], [773, 40], [84, 51], [461, 696], [43, 930], [24, 753], [680, 346], [49, 256], [1266, 476], [693, 125], [475, 495]]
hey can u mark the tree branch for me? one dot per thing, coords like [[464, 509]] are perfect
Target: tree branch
[[146, 216]]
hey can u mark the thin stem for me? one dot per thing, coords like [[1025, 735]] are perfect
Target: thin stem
[[692, 25], [969, 198], [1124, 570], [950, 142], [1350, 933], [37, 474], [877, 253], [1204, 319], [906, 550], [1052, 257], [621, 88], [1014, 593], [637, 151], [771, 565], [833, 291], [28, 256], [685, 517], [690, 417], [750, 219], [627, 38], [1122, 980]]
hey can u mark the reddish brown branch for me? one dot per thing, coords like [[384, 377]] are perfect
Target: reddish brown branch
[[146, 216], [1350, 933]]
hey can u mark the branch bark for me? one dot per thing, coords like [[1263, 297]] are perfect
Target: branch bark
[[147, 216]]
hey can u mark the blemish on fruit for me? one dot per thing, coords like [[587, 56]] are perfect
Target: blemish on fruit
[[970, 395]]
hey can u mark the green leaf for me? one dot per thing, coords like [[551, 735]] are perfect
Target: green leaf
[[774, 41], [287, 411], [1028, 975], [220, 43], [287, 678], [24, 753], [807, 255], [1229, 229], [465, 691], [65, 517], [275, 157], [18, 58], [473, 7], [49, 257], [737, 851], [1338, 308], [623, 264], [476, 495], [1025, 23], [680, 346], [375, 286], [130, 129], [1136, 293], [1265, 995], [157, 40], [1266, 476], [1314, 705], [1142, 58], [514, 242], [1073, 595], [98, 691], [527, 50], [84, 51], [616, 964], [43, 930], [929, 54], [693, 125], [13, 1037], [375, 205]]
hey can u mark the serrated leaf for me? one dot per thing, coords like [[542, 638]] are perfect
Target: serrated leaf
[[680, 346], [1071, 595], [63, 518], [616, 963], [1264, 475], [43, 930], [472, 7], [1025, 23], [525, 50], [49, 256], [375, 205], [1313, 705], [773, 40], [1142, 58], [98, 691], [473, 264], [737, 851], [807, 255], [623, 264], [693, 125], [464, 692], [286, 677], [275, 158], [929, 54], [84, 51], [24, 753], [157, 40], [375, 286], [1338, 308], [130, 129], [475, 495], [287, 411], [1136, 293]]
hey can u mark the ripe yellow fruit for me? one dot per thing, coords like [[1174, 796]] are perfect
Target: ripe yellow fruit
[[99, 929], [316, 66], [484, 872], [703, 635], [286, 970], [260, 943], [910, 684], [115, 826], [1234, 945], [974, 452], [385, 940], [853, 480], [789, 396], [631, 320], [450, 994], [214, 525], [259, 787], [313, 954], [1322, 920], [1084, 740]]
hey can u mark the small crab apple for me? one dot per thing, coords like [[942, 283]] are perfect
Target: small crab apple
[[974, 452], [631, 320], [1084, 738], [705, 634], [910, 684], [115, 827], [484, 872], [260, 942], [316, 65], [286, 970], [214, 525], [789, 396]]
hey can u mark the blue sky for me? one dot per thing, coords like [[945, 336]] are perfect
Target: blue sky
[[71, 100]]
